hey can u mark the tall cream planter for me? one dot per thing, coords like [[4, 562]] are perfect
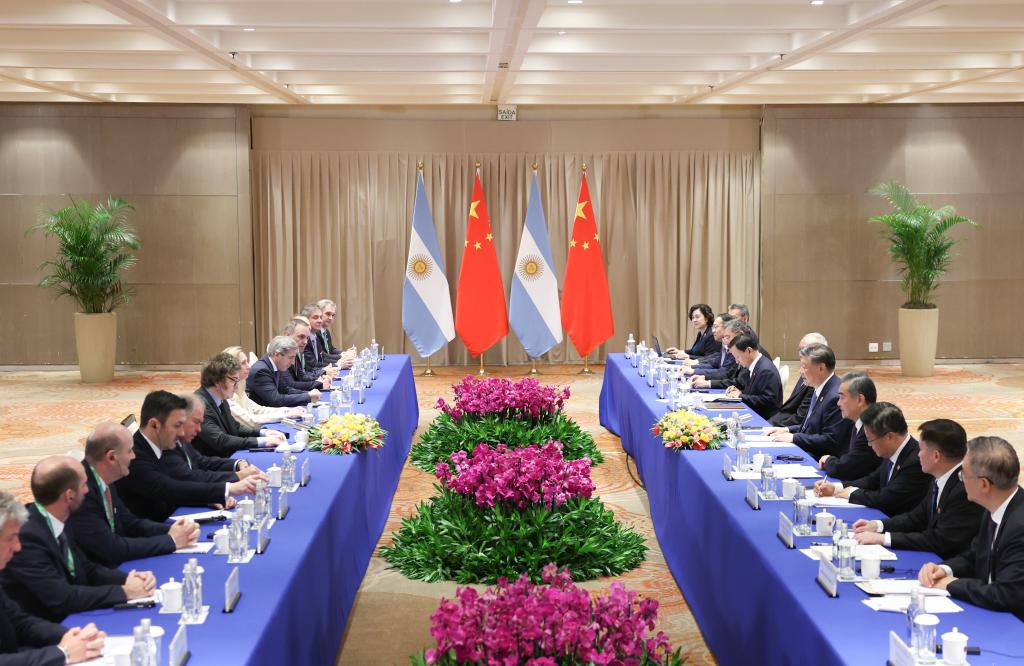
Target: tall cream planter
[[96, 340], [919, 338]]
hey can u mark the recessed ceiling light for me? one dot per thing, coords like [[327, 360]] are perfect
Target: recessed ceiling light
[[561, 32], [817, 2], [455, 2], [248, 29], [575, 2]]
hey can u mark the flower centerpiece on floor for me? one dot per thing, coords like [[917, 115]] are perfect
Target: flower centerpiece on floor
[[347, 433], [546, 625], [501, 411], [685, 430], [504, 511]]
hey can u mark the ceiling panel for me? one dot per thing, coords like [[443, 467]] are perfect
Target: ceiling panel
[[673, 52]]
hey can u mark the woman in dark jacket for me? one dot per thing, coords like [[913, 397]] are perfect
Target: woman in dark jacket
[[702, 317]]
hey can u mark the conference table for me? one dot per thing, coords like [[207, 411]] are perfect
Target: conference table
[[755, 600], [296, 596]]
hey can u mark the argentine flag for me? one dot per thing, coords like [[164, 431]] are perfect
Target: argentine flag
[[533, 309], [426, 303]]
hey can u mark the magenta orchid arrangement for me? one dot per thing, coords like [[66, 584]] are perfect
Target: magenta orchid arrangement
[[545, 625], [526, 398], [518, 477]]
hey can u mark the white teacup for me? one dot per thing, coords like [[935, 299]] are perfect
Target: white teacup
[[870, 567], [954, 647], [247, 509], [790, 488], [302, 437], [274, 476], [170, 595], [824, 522], [220, 540]]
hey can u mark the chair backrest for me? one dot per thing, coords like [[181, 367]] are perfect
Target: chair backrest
[[778, 363], [77, 454], [253, 358], [784, 374], [130, 423]]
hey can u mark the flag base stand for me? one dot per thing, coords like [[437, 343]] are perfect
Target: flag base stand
[[428, 372], [481, 371], [586, 367], [533, 367]]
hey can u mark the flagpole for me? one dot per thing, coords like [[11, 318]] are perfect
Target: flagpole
[[428, 372], [533, 367], [481, 371], [586, 367]]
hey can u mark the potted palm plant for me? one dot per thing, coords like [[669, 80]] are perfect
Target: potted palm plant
[[920, 244], [95, 246]]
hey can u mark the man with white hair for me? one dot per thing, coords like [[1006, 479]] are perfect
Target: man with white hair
[[267, 384], [26, 640], [794, 410]]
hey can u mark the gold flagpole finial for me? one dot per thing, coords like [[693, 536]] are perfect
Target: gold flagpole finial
[[419, 166], [478, 164], [534, 166], [584, 167]]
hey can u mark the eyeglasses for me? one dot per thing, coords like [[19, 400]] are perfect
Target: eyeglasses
[[960, 474], [234, 380], [872, 441]]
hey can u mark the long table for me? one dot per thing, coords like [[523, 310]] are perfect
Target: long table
[[756, 601], [296, 597]]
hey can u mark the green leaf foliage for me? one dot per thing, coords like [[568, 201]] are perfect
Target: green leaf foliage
[[445, 436], [451, 538], [95, 246], [918, 241]]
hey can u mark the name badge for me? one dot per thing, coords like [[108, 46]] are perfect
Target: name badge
[[231, 591], [726, 466], [177, 650], [304, 479], [282, 503], [828, 576], [263, 535], [900, 653], [785, 532], [752, 499]]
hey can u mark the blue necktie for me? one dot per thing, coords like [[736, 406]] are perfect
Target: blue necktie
[[810, 410], [933, 506], [888, 471]]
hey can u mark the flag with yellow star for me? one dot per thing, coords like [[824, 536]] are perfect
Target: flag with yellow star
[[480, 316], [586, 301]]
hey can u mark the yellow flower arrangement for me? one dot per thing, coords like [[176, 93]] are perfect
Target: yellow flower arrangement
[[683, 429], [347, 433]]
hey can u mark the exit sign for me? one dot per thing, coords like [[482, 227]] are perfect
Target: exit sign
[[506, 112]]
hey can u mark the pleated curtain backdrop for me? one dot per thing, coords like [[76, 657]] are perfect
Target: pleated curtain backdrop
[[676, 228]]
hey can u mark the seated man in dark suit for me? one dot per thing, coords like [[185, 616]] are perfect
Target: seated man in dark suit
[[732, 374], [51, 577], [856, 393], [316, 354], [26, 640], [794, 409], [822, 431], [945, 521], [267, 383], [740, 311], [898, 485], [221, 434], [763, 391], [990, 573], [148, 490], [329, 309], [104, 528], [185, 462], [303, 375]]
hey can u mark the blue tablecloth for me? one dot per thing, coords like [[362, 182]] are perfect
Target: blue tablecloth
[[756, 601], [296, 597]]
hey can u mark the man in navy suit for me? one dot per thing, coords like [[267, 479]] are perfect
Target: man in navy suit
[[267, 383], [26, 640], [945, 521], [991, 573], [51, 577], [221, 434], [185, 462], [763, 389], [794, 409], [104, 528], [304, 374], [330, 310], [898, 484], [822, 431], [856, 393]]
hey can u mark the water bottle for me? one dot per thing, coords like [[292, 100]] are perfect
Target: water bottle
[[238, 539], [197, 585], [915, 608], [287, 470], [742, 455], [140, 651], [847, 558], [768, 479], [309, 413], [188, 589], [360, 394], [261, 503], [151, 648], [630, 346], [374, 348]]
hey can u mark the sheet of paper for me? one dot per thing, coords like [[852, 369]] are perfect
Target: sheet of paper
[[835, 503], [781, 472], [897, 603], [201, 515], [200, 547], [113, 645], [881, 552], [896, 586], [768, 444]]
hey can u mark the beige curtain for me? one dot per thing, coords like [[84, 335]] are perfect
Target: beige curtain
[[677, 228]]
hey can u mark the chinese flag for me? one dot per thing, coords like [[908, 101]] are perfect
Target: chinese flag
[[586, 302], [480, 316]]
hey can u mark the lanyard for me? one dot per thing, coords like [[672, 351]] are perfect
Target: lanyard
[[107, 508], [67, 551]]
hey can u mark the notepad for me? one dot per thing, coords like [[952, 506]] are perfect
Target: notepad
[[835, 503], [883, 586], [199, 548], [862, 550], [897, 603], [112, 646]]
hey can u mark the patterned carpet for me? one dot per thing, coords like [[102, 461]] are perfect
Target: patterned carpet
[[51, 412]]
